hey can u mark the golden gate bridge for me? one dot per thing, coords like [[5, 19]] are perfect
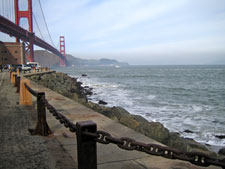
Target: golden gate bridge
[[12, 13]]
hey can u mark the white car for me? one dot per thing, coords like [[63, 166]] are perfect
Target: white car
[[25, 67], [34, 64]]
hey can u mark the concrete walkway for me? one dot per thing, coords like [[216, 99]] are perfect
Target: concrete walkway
[[109, 156], [18, 149]]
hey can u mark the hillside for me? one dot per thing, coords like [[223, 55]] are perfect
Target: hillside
[[47, 59]]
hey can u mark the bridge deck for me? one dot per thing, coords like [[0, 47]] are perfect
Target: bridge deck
[[59, 150]]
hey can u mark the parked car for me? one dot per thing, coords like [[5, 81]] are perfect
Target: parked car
[[34, 64], [25, 67], [15, 67]]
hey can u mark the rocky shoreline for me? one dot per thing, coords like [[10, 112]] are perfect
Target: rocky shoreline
[[71, 88]]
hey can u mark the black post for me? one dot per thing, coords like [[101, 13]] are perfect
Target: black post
[[86, 145], [42, 127], [15, 80], [15, 76], [17, 84]]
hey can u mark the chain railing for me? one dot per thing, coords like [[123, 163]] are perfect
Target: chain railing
[[87, 136]]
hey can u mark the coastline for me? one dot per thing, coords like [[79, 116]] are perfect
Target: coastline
[[70, 87]]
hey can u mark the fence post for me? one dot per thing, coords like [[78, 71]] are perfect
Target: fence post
[[11, 77], [17, 84], [18, 72], [14, 79], [42, 127], [25, 96], [86, 145]]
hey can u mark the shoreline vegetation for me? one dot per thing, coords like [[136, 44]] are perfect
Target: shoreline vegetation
[[71, 88]]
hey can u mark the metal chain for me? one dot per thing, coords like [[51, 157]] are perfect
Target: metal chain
[[196, 158], [63, 120], [34, 93]]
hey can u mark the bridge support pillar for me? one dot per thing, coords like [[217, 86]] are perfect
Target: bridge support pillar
[[62, 51], [25, 14]]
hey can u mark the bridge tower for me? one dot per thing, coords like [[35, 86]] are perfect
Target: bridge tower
[[62, 51], [29, 46]]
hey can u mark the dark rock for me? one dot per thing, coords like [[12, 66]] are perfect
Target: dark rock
[[63, 84], [222, 151], [83, 75], [88, 92], [140, 119], [188, 131], [187, 145], [102, 102], [78, 83], [220, 136], [115, 113], [154, 130]]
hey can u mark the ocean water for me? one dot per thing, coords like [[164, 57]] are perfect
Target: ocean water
[[180, 97]]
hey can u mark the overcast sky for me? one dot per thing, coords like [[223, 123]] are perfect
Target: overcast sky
[[140, 31]]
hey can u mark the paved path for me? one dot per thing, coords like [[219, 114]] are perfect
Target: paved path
[[20, 150]]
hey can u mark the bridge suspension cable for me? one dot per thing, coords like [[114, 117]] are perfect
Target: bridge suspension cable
[[35, 20], [46, 23]]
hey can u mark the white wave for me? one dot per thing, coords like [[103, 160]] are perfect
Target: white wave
[[196, 108], [151, 97]]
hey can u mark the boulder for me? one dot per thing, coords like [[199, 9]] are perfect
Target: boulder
[[154, 130], [88, 92], [187, 144], [222, 151], [140, 119], [220, 136], [188, 131], [102, 102]]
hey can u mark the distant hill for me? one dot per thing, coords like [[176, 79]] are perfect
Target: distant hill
[[47, 59]]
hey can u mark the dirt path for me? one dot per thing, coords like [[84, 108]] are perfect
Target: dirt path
[[18, 149]]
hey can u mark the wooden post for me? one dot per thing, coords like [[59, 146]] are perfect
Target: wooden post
[[86, 145], [11, 75], [25, 95], [18, 72], [14, 78], [42, 127]]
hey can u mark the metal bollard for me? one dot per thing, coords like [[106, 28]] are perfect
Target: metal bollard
[[17, 84], [86, 145], [42, 127]]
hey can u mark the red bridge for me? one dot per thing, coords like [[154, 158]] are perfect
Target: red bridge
[[14, 29]]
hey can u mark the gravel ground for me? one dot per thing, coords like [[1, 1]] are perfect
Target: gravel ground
[[18, 149]]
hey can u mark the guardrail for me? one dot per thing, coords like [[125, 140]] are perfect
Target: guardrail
[[87, 137]]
